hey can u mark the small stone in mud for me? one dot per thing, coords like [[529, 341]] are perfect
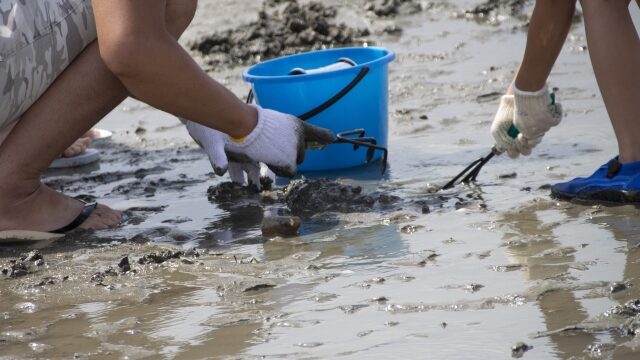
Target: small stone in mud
[[259, 287], [426, 210], [124, 265], [99, 277], [281, 225], [160, 257], [490, 9], [512, 175], [473, 287], [492, 96], [601, 350], [379, 300], [351, 309], [392, 30], [518, 350], [32, 256], [392, 323], [394, 7], [187, 261], [178, 220], [309, 344], [410, 229], [617, 287], [45, 281], [443, 325], [27, 263]]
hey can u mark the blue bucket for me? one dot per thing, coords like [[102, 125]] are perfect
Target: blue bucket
[[364, 105]]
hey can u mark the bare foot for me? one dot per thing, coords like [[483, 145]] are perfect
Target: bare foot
[[43, 209], [77, 148], [92, 134]]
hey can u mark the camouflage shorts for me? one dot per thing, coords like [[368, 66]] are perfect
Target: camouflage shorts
[[38, 40]]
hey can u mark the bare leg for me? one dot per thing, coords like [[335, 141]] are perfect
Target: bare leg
[[84, 93], [614, 48], [137, 47], [548, 29]]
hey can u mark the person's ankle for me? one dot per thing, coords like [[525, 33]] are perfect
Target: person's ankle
[[13, 188], [629, 156]]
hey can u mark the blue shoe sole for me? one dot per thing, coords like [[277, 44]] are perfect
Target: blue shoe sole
[[603, 196]]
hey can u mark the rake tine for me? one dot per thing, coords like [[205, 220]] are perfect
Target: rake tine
[[453, 181], [473, 174]]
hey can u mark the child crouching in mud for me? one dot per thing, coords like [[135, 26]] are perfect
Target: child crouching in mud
[[65, 64], [614, 48]]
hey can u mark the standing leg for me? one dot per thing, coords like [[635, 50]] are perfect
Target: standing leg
[[614, 47], [84, 93]]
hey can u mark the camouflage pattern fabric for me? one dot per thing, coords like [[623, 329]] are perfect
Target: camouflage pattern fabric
[[38, 40]]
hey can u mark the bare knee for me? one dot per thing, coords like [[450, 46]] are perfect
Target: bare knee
[[180, 13], [124, 55]]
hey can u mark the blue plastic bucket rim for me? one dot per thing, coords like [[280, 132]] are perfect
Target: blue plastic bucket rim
[[387, 58]]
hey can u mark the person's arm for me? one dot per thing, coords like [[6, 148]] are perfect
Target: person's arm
[[548, 30], [527, 103], [137, 47]]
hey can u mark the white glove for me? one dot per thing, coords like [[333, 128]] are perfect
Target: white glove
[[279, 141], [257, 174], [501, 125], [213, 143], [532, 113]]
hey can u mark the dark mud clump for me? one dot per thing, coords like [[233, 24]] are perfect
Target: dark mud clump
[[280, 30], [229, 191], [518, 350], [322, 195], [394, 7], [26, 264], [489, 10], [166, 255]]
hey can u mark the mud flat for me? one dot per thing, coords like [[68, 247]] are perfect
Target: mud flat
[[282, 28], [380, 267]]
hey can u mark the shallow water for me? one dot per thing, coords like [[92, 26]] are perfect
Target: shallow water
[[489, 266]]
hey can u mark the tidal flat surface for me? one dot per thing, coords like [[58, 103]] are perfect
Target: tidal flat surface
[[494, 270]]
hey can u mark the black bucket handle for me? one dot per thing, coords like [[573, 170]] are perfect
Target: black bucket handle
[[342, 137]]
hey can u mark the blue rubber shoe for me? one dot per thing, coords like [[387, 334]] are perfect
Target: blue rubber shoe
[[613, 182]]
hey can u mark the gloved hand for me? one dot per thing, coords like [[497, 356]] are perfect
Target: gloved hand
[[501, 125], [532, 113], [213, 143], [279, 141]]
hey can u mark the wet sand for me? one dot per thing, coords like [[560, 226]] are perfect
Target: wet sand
[[467, 273]]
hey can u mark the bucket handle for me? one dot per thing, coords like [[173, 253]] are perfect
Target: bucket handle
[[342, 137], [327, 104]]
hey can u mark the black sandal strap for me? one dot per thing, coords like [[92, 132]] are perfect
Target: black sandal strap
[[84, 215]]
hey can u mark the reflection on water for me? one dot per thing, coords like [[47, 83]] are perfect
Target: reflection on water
[[483, 268]]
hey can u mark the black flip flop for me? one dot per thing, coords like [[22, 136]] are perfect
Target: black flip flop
[[28, 235]]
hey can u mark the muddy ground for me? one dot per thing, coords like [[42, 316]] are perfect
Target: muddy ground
[[496, 270]]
